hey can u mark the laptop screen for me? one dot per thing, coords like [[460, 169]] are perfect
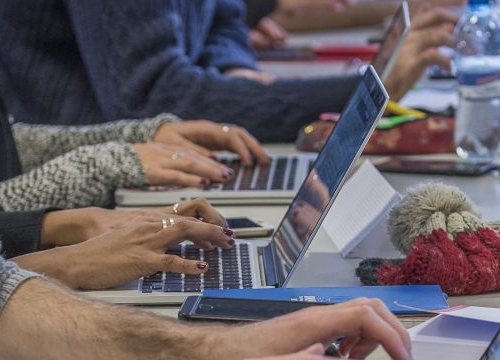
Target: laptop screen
[[328, 173], [394, 38]]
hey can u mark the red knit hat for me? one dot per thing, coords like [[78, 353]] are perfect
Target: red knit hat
[[444, 241]]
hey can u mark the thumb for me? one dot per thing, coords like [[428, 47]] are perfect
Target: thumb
[[176, 264], [316, 349]]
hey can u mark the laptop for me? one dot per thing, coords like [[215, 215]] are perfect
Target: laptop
[[279, 182], [272, 262]]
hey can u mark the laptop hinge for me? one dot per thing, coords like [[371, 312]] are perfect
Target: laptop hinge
[[269, 266]]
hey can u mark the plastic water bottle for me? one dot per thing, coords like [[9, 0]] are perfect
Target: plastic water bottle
[[477, 62]]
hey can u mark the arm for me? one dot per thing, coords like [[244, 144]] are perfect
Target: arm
[[140, 70], [83, 177], [54, 318], [227, 46], [37, 144], [20, 232]]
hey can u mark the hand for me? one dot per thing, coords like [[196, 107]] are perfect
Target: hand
[[262, 77], [364, 324], [176, 166], [431, 28], [125, 254], [268, 34], [69, 227], [313, 352], [203, 136]]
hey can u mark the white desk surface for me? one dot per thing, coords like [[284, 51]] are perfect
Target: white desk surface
[[483, 191]]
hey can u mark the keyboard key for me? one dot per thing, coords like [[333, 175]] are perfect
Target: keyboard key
[[291, 176], [279, 174]]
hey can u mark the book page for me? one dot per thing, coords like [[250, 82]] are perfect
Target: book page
[[362, 204]]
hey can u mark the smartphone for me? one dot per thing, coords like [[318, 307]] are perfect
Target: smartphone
[[436, 167], [237, 310], [244, 227]]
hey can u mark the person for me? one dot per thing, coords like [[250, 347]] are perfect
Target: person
[[95, 248], [41, 319], [79, 166], [104, 60]]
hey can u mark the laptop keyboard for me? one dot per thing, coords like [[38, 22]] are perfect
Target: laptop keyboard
[[228, 269], [280, 174]]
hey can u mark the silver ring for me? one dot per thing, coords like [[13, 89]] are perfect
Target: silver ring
[[166, 223], [225, 128], [178, 155], [175, 208]]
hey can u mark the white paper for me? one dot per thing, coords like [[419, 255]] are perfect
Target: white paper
[[362, 205]]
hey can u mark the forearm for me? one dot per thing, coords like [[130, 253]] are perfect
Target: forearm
[[87, 176], [61, 325], [37, 144]]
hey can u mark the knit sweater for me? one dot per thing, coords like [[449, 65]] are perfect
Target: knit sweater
[[87, 62], [60, 172], [11, 276]]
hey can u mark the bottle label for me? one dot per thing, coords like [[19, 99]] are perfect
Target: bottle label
[[479, 86]]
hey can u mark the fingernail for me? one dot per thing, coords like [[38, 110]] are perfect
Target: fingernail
[[231, 242], [201, 265], [228, 232], [228, 174]]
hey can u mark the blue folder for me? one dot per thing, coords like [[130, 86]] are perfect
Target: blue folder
[[426, 297]]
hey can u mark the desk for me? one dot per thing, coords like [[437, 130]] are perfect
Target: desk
[[490, 204]]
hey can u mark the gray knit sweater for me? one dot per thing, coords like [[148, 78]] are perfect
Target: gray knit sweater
[[71, 166], [11, 276]]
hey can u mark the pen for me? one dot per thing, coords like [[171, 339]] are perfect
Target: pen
[[389, 122], [395, 108]]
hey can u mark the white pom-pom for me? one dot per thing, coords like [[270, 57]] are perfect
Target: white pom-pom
[[409, 217]]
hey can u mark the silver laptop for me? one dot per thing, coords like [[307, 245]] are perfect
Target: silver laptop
[[279, 182], [265, 263], [392, 41]]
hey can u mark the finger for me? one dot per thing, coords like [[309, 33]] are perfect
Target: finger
[[259, 40], [373, 326], [429, 17], [183, 142], [178, 178], [316, 349], [201, 166], [434, 57], [236, 145], [434, 37], [253, 144], [272, 30], [176, 264], [363, 348], [201, 209], [199, 233]]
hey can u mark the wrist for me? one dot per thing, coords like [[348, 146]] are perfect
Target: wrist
[[60, 228]]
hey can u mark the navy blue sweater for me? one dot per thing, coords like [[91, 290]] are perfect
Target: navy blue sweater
[[92, 61]]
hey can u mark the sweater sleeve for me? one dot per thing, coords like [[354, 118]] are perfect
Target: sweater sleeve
[[37, 144], [228, 43], [11, 277], [138, 66], [87, 176], [20, 232]]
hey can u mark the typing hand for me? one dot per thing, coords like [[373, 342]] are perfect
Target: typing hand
[[69, 227], [296, 7], [267, 34], [177, 166], [260, 76], [138, 249], [431, 28], [205, 136], [313, 352]]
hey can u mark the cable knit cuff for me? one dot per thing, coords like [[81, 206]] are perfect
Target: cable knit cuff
[[11, 277], [87, 176], [143, 131]]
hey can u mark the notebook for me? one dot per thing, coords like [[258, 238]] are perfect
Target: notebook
[[425, 297], [279, 182], [254, 264]]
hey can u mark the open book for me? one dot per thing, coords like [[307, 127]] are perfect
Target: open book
[[460, 333], [356, 222]]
